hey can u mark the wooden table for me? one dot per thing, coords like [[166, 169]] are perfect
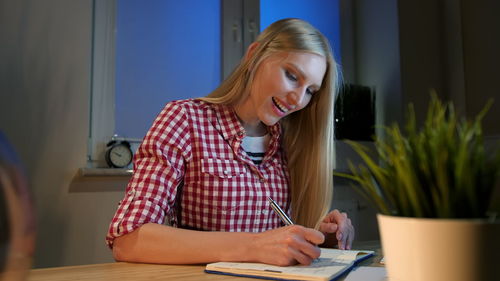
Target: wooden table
[[122, 271]]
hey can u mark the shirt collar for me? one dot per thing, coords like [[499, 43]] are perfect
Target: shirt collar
[[227, 121]]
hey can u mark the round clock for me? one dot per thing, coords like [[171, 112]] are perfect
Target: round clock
[[118, 154]]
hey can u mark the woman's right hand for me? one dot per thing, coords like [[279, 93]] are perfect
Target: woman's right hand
[[287, 245]]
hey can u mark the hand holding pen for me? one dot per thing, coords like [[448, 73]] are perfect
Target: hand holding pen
[[288, 245]]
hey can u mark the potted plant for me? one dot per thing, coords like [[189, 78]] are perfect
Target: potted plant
[[432, 186]]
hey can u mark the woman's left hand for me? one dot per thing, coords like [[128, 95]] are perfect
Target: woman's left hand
[[338, 229]]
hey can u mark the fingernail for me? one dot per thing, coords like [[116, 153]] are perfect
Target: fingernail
[[339, 236]]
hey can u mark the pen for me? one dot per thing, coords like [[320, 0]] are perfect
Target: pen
[[280, 212]]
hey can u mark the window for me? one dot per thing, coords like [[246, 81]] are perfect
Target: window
[[146, 54]]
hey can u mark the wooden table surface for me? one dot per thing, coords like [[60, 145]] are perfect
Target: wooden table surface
[[122, 271]]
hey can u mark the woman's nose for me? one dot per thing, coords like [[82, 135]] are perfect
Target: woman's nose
[[296, 97]]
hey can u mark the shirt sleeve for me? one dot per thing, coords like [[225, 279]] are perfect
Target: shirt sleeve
[[158, 169]]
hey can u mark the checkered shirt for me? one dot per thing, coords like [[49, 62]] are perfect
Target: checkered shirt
[[196, 146]]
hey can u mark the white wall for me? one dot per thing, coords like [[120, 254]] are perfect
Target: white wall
[[44, 111]]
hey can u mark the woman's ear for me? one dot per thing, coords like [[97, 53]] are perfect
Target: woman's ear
[[251, 50]]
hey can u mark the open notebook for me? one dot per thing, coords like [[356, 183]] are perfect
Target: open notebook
[[331, 264]]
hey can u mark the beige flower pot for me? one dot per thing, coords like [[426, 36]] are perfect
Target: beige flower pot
[[418, 249]]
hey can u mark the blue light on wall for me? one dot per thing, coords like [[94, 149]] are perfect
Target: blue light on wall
[[165, 50], [323, 14]]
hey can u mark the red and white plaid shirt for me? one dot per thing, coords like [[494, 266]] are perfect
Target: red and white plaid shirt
[[197, 145]]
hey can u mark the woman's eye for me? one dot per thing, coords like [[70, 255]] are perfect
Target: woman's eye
[[290, 76]]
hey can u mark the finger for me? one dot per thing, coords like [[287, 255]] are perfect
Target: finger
[[328, 227], [301, 240], [301, 250], [346, 235], [329, 217], [350, 239], [300, 257], [333, 216], [308, 249], [341, 241], [337, 214], [343, 225], [313, 236]]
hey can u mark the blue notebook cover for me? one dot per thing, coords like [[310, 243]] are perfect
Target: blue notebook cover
[[331, 265]]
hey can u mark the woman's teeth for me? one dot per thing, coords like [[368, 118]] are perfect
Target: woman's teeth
[[280, 106]]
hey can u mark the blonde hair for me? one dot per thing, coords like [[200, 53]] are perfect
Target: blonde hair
[[308, 133]]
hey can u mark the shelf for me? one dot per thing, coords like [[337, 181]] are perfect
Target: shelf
[[105, 172]]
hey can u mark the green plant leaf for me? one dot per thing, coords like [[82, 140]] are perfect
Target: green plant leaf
[[438, 170]]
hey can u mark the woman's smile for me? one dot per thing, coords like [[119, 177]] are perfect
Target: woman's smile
[[282, 108]]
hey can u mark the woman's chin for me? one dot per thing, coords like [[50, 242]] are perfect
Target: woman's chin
[[270, 121]]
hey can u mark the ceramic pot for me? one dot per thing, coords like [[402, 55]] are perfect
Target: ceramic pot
[[417, 249]]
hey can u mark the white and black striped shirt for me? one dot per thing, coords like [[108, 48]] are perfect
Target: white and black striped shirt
[[256, 147]]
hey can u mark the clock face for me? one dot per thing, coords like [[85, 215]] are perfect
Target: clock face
[[120, 155]]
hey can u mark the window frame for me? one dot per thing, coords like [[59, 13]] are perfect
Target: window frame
[[102, 95]]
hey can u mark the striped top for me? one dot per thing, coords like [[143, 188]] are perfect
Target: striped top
[[256, 147]]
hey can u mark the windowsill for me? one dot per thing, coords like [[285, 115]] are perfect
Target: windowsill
[[105, 172]]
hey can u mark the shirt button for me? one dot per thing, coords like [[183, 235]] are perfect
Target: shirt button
[[130, 192], [265, 212], [226, 172], [262, 180]]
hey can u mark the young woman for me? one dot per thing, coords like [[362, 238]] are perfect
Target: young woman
[[208, 166]]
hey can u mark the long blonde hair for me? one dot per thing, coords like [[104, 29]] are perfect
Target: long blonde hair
[[308, 133]]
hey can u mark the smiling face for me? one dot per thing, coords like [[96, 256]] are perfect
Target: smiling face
[[283, 83]]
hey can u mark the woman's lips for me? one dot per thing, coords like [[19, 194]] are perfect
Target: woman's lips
[[283, 108]]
